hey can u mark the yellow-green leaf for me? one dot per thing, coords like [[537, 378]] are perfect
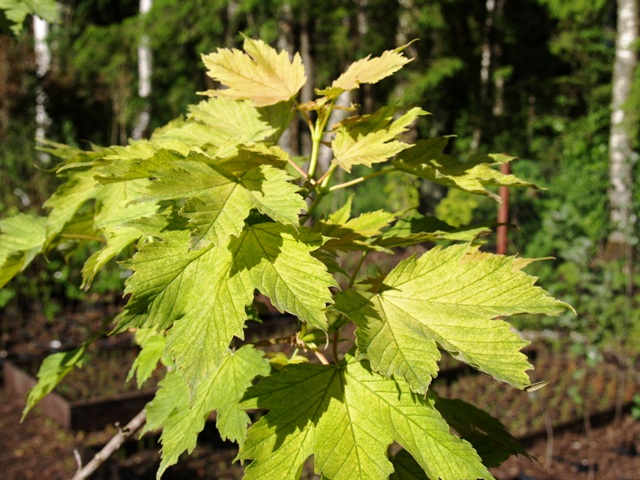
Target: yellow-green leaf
[[367, 70], [260, 74], [353, 147]]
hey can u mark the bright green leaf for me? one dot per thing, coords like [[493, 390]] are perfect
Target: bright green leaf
[[17, 10], [21, 238], [152, 349], [278, 260], [52, 371], [79, 188], [449, 299], [346, 417], [474, 175], [182, 419]]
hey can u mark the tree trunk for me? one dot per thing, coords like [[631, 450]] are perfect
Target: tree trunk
[[145, 70], [485, 73], [289, 139], [43, 62], [620, 140], [307, 93]]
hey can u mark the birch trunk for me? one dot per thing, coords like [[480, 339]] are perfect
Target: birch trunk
[[145, 70], [43, 62], [289, 141], [620, 141], [485, 73]]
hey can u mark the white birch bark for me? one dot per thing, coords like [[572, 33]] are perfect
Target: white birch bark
[[485, 73], [289, 139], [145, 71], [338, 114], [621, 155], [43, 62]]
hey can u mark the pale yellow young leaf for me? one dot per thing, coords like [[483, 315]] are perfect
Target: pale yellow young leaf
[[367, 70], [259, 74]]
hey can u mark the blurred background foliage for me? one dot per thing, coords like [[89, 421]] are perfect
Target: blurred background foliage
[[532, 78]]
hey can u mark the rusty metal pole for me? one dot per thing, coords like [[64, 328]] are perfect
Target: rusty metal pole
[[503, 214]]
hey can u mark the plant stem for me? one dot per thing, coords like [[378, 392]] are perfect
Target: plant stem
[[298, 169], [273, 341], [321, 357], [116, 441], [336, 339], [78, 236], [361, 179], [316, 137], [320, 195], [363, 257]]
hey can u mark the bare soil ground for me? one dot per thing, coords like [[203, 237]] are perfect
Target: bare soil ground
[[39, 449]]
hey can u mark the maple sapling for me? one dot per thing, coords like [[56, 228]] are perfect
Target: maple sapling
[[210, 210]]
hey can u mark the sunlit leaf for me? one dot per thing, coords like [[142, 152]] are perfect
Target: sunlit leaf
[[474, 175], [182, 418], [447, 299], [367, 70], [259, 74], [353, 147], [346, 417]]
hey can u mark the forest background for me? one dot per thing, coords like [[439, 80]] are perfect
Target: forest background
[[533, 78]]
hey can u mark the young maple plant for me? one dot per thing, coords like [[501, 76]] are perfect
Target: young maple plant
[[209, 212]]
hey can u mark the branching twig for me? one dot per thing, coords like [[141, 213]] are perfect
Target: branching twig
[[116, 441]]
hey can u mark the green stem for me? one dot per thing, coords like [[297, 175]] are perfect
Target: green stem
[[78, 236], [358, 180], [315, 203], [324, 180], [357, 269], [298, 169], [316, 137]]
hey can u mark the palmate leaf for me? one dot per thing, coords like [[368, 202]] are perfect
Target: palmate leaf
[[449, 299], [345, 233], [218, 214], [281, 266], [52, 371], [488, 436], [261, 75], [218, 202], [202, 294], [417, 228], [220, 125], [353, 147], [367, 70], [22, 237], [474, 175], [194, 289], [17, 10], [182, 418], [346, 417]]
